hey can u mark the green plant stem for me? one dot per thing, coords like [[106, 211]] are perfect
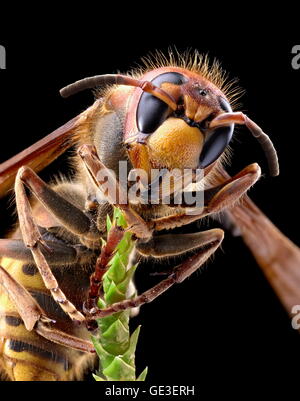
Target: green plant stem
[[114, 344]]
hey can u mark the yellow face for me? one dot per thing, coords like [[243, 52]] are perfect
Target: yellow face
[[175, 145]]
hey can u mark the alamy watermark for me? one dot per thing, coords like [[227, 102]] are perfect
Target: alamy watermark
[[2, 58], [176, 187], [296, 319], [296, 57]]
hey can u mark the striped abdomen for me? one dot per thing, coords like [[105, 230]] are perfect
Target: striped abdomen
[[27, 356]]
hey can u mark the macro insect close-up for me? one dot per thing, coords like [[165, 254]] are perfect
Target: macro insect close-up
[[179, 113]]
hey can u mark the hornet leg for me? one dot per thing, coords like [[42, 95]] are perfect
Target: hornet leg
[[33, 240], [35, 318], [94, 167], [209, 240], [225, 197]]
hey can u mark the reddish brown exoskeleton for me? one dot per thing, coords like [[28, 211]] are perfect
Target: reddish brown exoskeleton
[[167, 117]]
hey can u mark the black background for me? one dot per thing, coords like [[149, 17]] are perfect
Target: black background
[[225, 322]]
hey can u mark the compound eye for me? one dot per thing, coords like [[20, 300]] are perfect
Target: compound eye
[[225, 106], [216, 141], [152, 112], [215, 145]]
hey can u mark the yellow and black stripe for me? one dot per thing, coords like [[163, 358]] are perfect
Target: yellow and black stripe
[[26, 356]]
